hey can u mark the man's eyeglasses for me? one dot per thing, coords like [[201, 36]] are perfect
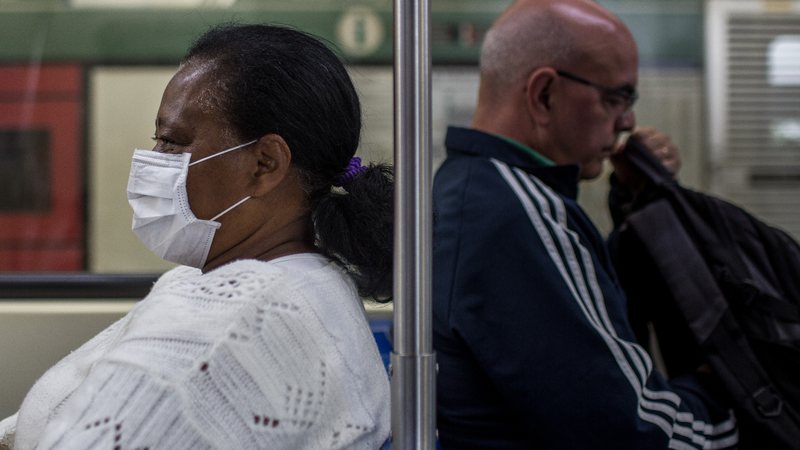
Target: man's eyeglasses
[[618, 99]]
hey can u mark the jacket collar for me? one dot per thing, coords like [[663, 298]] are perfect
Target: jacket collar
[[562, 179]]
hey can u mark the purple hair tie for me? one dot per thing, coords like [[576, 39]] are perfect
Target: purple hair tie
[[354, 169]]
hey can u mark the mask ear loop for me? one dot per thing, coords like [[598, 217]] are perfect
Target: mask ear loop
[[213, 219], [223, 152]]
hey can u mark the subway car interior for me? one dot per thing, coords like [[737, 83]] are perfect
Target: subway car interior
[[81, 81]]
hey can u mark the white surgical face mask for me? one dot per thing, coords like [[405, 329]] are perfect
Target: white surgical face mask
[[162, 218]]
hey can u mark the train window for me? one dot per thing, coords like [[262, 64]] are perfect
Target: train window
[[81, 81], [87, 75], [784, 71], [784, 61], [753, 77], [24, 170]]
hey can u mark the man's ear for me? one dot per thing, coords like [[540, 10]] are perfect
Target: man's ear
[[273, 160], [539, 91]]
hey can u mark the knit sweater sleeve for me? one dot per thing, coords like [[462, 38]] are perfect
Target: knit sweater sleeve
[[272, 378], [8, 427]]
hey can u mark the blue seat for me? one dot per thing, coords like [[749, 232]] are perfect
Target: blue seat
[[382, 331]]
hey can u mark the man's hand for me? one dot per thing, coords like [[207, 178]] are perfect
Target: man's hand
[[659, 144]]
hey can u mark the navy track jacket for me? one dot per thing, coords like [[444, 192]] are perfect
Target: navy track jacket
[[530, 328]]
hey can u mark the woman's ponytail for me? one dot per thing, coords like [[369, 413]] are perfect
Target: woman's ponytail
[[354, 225]]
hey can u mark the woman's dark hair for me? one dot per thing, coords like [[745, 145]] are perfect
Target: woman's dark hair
[[272, 79]]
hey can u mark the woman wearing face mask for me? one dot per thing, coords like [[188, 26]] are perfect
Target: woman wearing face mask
[[259, 340]]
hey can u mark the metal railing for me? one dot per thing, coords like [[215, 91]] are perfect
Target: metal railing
[[74, 286], [413, 360]]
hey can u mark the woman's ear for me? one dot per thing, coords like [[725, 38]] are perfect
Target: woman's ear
[[273, 160], [539, 91]]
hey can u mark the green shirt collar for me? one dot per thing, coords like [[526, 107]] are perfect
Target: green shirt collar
[[538, 157]]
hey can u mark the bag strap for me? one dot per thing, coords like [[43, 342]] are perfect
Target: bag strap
[[664, 182], [681, 266], [703, 305], [656, 173]]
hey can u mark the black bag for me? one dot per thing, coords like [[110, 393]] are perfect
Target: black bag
[[719, 287]]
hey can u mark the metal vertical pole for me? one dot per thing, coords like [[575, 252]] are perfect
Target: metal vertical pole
[[413, 360]]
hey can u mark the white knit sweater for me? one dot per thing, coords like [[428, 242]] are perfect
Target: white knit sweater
[[251, 355]]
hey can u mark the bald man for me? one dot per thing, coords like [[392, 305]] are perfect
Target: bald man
[[533, 343]]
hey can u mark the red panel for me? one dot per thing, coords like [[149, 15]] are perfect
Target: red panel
[[41, 260], [63, 221], [52, 239], [40, 80]]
